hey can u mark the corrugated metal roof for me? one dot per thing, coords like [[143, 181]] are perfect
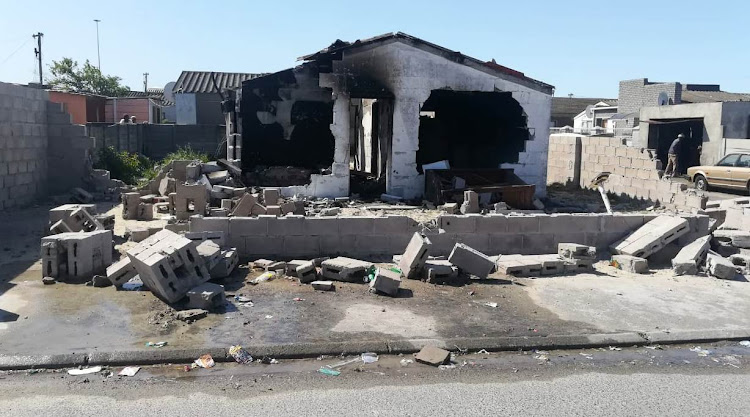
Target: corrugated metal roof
[[201, 82], [712, 96]]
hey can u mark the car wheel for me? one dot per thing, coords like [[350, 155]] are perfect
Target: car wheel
[[701, 183]]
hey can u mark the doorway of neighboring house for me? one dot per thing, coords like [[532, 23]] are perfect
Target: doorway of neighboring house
[[370, 145], [663, 132]]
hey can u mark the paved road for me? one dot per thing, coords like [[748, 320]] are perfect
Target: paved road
[[635, 381]]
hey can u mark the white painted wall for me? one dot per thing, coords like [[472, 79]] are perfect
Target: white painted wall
[[411, 74], [185, 109]]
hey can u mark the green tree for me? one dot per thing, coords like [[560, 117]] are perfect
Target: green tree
[[67, 76]]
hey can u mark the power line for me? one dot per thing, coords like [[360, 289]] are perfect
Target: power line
[[14, 52]]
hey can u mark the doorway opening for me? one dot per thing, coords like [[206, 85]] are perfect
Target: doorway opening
[[663, 132]]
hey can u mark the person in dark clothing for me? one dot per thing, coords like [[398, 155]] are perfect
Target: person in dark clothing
[[674, 152]]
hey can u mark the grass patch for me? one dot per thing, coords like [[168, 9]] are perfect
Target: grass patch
[[135, 169]]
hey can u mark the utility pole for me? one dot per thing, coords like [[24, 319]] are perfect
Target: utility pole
[[98, 57], [145, 82], [38, 53]]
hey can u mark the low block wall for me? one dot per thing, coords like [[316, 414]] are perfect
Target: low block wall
[[577, 160], [369, 237]]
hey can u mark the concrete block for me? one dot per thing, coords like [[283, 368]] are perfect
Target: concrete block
[[458, 224], [271, 196], [353, 225], [138, 234], [439, 271], [121, 271], [415, 256], [630, 263], [652, 236], [190, 200], [226, 204], [690, 256], [207, 296], [738, 238], [492, 223], [288, 207], [323, 285], [576, 251], [228, 261], [64, 211], [286, 226], [471, 261], [575, 266], [568, 223], [209, 224], [344, 269], [259, 245], [248, 226], [394, 225], [450, 208], [210, 252], [386, 282], [470, 203], [244, 207], [145, 211], [720, 267], [273, 210], [523, 224], [308, 246], [306, 272], [130, 202]]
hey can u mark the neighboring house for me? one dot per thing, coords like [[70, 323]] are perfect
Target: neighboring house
[[83, 108], [197, 99], [714, 122], [386, 106], [565, 109], [595, 119], [147, 106]]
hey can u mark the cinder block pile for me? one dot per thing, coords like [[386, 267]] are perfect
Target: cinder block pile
[[571, 258], [75, 218]]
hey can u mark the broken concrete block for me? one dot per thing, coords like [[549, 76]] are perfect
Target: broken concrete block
[[64, 211], [257, 210], [210, 252], [99, 281], [169, 265], [228, 260], [691, 256], [130, 202], [145, 211], [576, 251], [323, 285], [271, 196], [276, 266], [450, 208], [575, 266], [551, 264], [121, 271], [244, 207], [439, 271], [471, 261], [207, 296], [470, 203], [288, 207], [344, 269], [82, 196], [216, 236], [193, 171], [106, 220], [217, 177], [273, 210], [519, 265], [413, 260], [291, 266], [738, 238], [190, 200], [652, 236], [138, 234], [306, 272], [386, 282], [434, 356], [720, 267], [630, 263], [226, 204], [331, 211], [191, 315], [262, 263], [48, 280]]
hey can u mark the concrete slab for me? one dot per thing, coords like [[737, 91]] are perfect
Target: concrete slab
[[652, 237]]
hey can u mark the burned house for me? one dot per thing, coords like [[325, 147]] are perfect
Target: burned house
[[381, 108]]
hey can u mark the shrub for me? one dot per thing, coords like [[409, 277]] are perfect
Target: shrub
[[122, 165]]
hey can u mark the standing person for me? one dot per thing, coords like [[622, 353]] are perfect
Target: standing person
[[673, 154], [132, 120], [125, 119]]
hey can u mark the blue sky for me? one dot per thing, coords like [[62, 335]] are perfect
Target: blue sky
[[583, 47]]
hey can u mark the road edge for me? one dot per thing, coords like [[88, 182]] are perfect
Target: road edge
[[166, 355]]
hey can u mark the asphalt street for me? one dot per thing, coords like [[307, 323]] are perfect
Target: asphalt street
[[687, 380]]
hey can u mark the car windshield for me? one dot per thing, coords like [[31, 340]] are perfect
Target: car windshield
[[728, 161]]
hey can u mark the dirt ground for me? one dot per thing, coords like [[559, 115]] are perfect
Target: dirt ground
[[76, 318]]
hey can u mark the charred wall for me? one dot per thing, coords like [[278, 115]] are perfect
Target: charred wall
[[286, 120]]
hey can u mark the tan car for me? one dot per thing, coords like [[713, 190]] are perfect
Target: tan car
[[733, 171]]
